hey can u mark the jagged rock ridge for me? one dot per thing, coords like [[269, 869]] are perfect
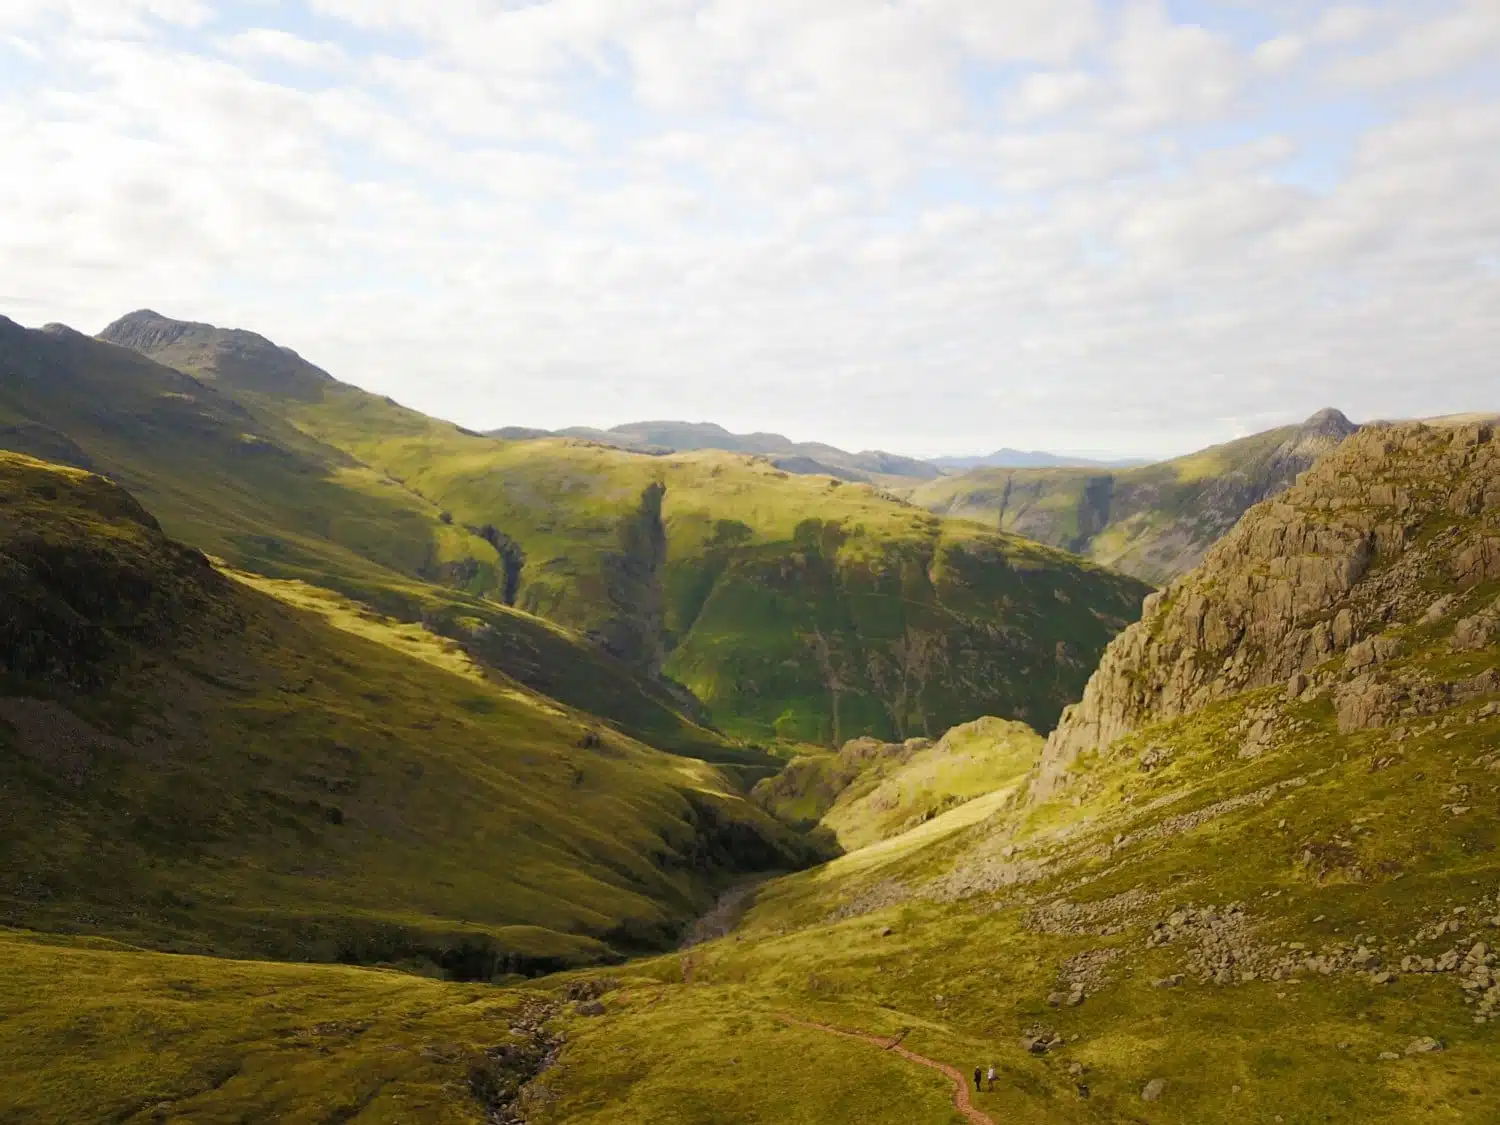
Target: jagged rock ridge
[[1351, 550]]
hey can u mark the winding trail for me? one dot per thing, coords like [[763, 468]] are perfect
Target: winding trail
[[960, 1083]]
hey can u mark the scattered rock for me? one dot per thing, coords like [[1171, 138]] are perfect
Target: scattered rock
[[1424, 1046], [1154, 1090]]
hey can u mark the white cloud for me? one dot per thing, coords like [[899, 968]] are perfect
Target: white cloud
[[920, 224], [1051, 92], [282, 46], [1467, 36], [1170, 72]]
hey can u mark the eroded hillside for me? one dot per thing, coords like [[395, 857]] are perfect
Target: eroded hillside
[[1156, 521], [248, 487]]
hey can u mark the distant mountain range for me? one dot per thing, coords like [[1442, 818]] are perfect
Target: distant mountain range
[[1008, 458], [807, 457]]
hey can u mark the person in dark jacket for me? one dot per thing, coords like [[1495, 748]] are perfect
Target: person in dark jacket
[[978, 1074]]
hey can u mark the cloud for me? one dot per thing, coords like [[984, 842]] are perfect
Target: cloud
[[918, 224], [1169, 72], [1466, 36], [282, 46]]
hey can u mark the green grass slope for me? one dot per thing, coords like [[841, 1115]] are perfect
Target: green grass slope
[[92, 1031], [871, 790], [1155, 521], [970, 761], [1253, 893], [194, 764], [795, 607], [251, 489]]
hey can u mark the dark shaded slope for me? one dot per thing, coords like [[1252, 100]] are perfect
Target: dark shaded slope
[[194, 765], [248, 487]]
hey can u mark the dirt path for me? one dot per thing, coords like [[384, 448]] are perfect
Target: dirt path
[[960, 1082]]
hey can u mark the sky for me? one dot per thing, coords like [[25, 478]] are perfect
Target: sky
[[927, 226]]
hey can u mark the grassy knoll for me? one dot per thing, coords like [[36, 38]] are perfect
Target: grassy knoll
[[197, 765], [970, 761], [870, 791], [94, 1031]]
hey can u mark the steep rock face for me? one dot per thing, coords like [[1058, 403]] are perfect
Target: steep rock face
[[1353, 549], [1154, 522]]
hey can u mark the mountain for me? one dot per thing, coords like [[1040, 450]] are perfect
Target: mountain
[[248, 487], [1251, 875], [1028, 459], [1254, 875], [795, 608], [811, 458], [1154, 521], [202, 762]]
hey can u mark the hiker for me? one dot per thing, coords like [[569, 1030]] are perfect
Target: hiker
[[977, 1075], [991, 1076]]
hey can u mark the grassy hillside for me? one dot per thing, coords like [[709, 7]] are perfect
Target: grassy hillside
[[195, 764], [254, 490], [1155, 521], [970, 761], [1249, 895], [870, 790], [797, 608], [94, 1031]]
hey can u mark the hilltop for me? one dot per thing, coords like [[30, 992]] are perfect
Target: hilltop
[[1152, 521], [795, 608]]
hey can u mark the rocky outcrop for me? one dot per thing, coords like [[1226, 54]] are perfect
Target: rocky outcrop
[[1366, 540]]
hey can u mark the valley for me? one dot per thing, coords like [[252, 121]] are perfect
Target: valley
[[360, 767]]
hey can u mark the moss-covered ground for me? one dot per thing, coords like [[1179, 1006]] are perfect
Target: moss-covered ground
[[94, 1031]]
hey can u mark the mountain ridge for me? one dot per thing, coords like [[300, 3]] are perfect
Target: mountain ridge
[[796, 607], [809, 457], [1152, 521]]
